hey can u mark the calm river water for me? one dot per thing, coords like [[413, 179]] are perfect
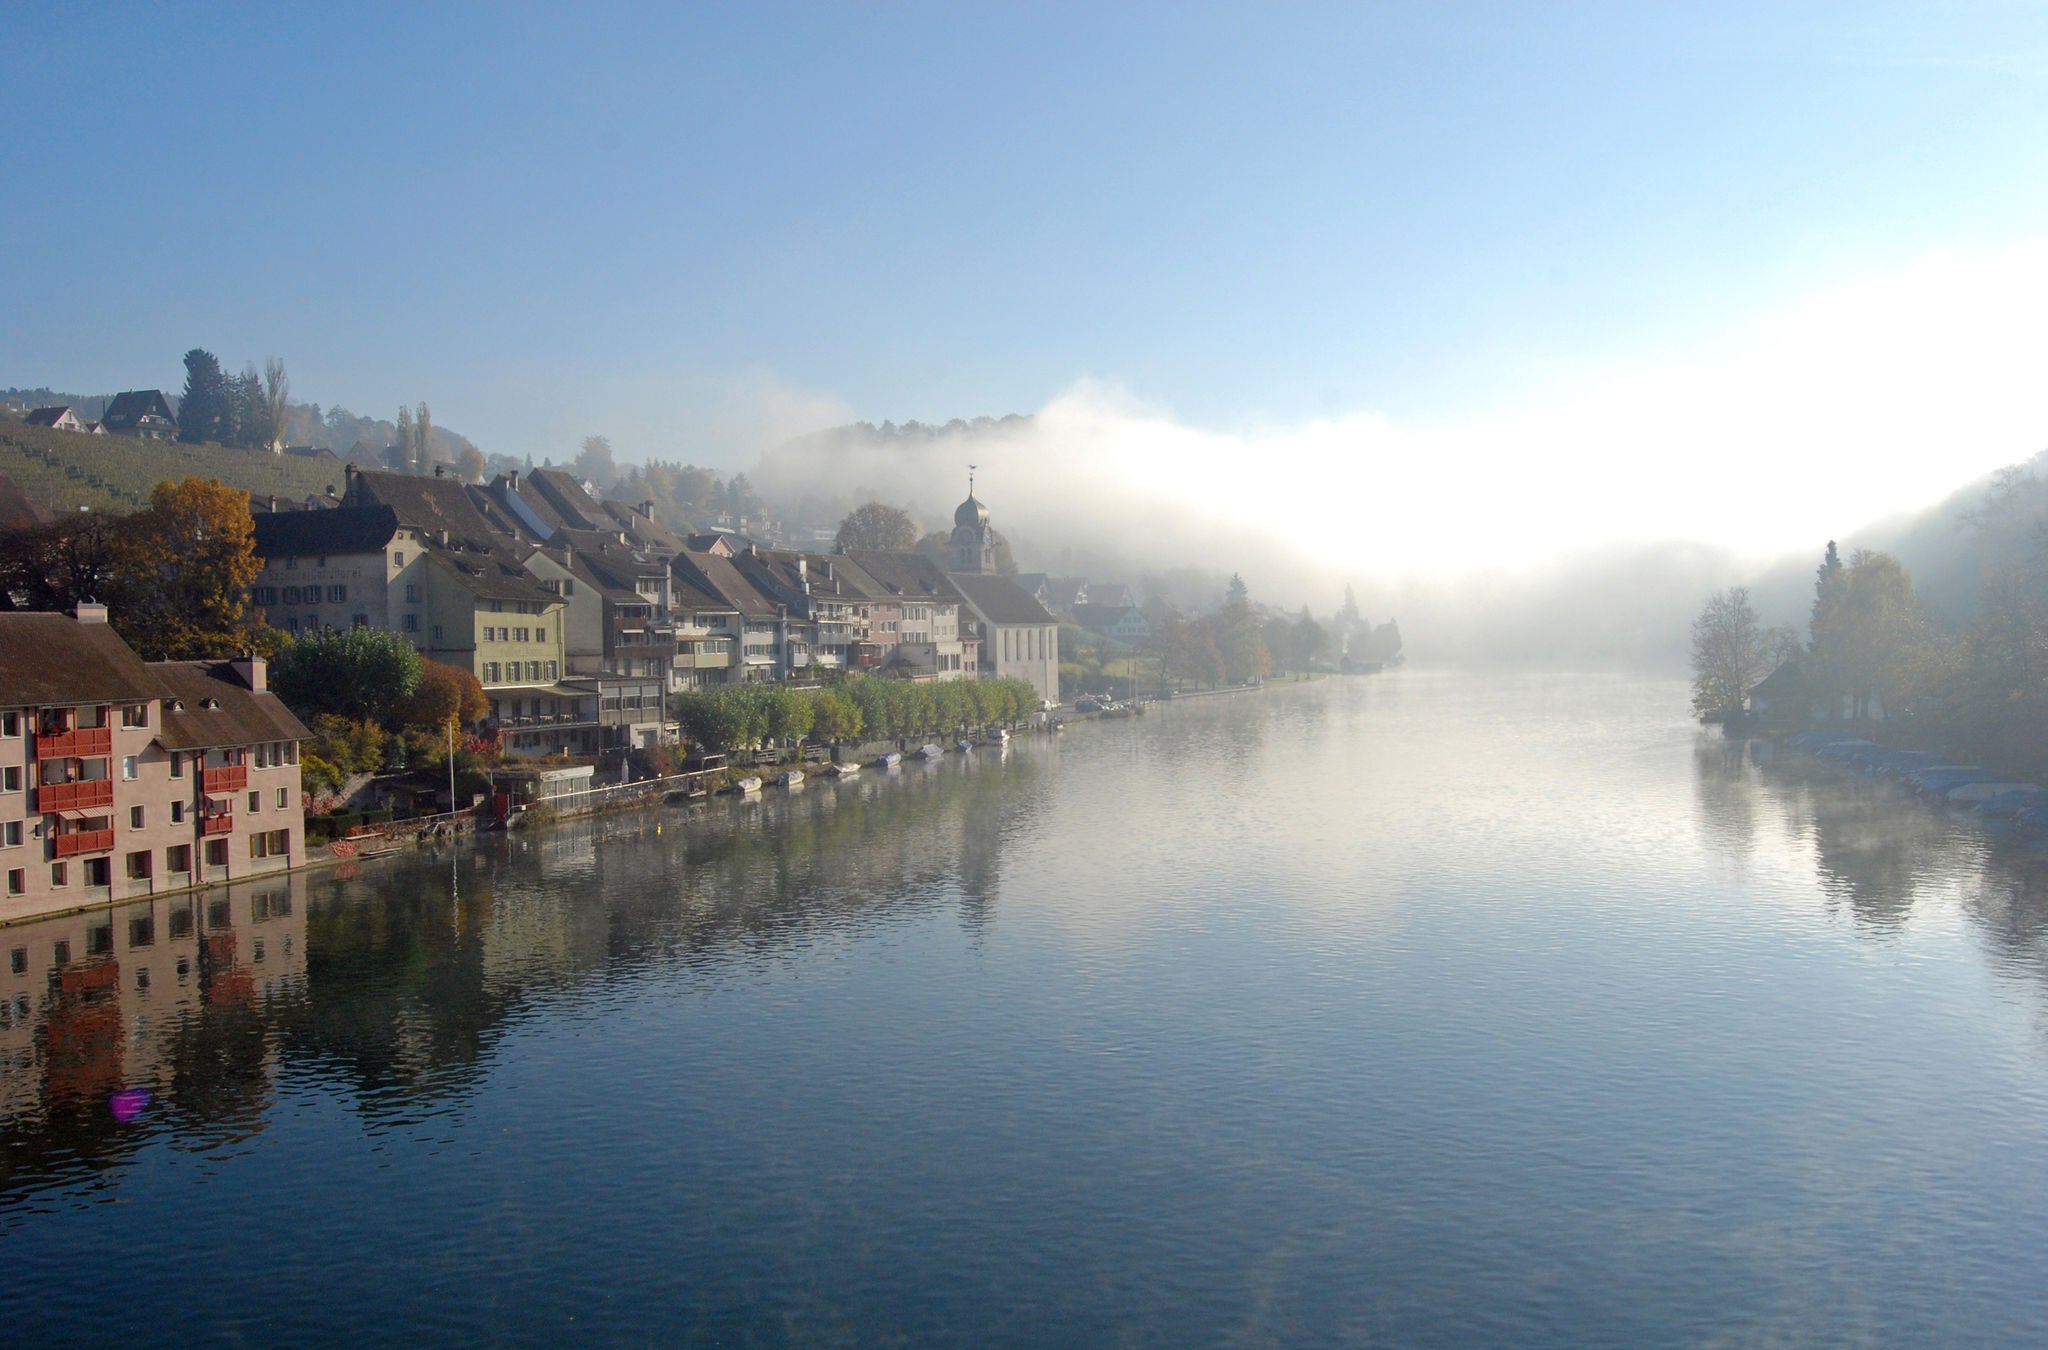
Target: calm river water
[[1425, 1009]]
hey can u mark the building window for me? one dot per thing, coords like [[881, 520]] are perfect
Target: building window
[[270, 844], [491, 672], [177, 813], [337, 595], [359, 621], [569, 586], [10, 724], [99, 872], [60, 874], [134, 817], [10, 778], [291, 595], [540, 635], [11, 834], [412, 623], [533, 670], [398, 560], [255, 802], [17, 884], [519, 634], [135, 715], [178, 858], [138, 865], [412, 593], [216, 853], [554, 669], [128, 768], [437, 633]]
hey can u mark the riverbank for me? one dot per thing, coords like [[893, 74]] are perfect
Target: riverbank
[[1983, 795]]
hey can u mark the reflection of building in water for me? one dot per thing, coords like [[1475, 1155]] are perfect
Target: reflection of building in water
[[97, 1001]]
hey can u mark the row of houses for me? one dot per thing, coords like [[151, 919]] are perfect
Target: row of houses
[[1103, 607], [138, 412], [580, 616]]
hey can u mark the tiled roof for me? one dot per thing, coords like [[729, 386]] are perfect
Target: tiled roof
[[337, 532], [127, 410], [492, 575], [431, 505], [53, 658], [906, 575], [999, 599], [213, 707], [718, 576]]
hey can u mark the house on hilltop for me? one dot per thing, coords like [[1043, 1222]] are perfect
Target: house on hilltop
[[141, 412], [59, 418]]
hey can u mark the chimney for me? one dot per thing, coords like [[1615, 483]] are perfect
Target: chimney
[[646, 509], [273, 503], [512, 480], [90, 611], [253, 671], [444, 538], [440, 471]]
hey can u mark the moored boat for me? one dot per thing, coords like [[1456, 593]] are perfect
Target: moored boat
[[748, 784], [890, 760], [928, 751], [844, 769], [790, 778]]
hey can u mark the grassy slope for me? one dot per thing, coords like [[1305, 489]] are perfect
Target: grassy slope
[[65, 470]]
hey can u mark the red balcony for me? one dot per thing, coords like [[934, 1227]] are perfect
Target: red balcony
[[79, 744], [84, 841], [75, 796], [227, 778], [218, 825]]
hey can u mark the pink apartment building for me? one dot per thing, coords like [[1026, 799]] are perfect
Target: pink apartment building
[[121, 778]]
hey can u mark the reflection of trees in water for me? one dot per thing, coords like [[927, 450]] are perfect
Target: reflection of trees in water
[[1875, 847], [1724, 792], [2008, 898]]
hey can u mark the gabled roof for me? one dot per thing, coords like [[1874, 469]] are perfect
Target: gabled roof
[[47, 417], [712, 541], [999, 599], [128, 409], [53, 658], [693, 598], [206, 704], [490, 574], [336, 532], [909, 576], [430, 505], [565, 496], [720, 578]]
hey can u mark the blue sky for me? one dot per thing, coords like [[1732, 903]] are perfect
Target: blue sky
[[697, 230]]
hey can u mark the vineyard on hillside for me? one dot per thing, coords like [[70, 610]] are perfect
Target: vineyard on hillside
[[67, 471]]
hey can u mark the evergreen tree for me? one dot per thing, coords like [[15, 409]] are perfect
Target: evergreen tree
[[203, 407]]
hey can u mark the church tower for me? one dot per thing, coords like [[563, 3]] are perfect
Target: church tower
[[974, 543]]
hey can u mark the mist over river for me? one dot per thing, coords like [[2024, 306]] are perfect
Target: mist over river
[[1427, 1009]]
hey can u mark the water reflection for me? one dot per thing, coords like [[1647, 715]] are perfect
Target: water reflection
[[143, 1018]]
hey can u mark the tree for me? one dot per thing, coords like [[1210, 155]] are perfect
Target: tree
[[469, 462], [401, 456], [277, 393], [1238, 638], [596, 463], [445, 692], [203, 412], [877, 525], [248, 415], [1308, 641], [180, 574], [363, 674], [1730, 654], [423, 438], [1867, 631]]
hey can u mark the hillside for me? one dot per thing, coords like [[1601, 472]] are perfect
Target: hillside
[[66, 471]]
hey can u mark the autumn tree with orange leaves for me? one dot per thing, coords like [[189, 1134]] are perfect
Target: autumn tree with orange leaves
[[180, 574]]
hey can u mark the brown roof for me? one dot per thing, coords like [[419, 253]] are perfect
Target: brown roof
[[52, 658], [718, 576], [16, 510], [999, 599], [494, 576], [430, 505], [206, 704], [906, 575]]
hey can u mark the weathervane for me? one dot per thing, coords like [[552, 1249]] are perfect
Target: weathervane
[[970, 480]]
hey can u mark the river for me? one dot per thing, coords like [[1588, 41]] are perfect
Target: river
[[1425, 1009]]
